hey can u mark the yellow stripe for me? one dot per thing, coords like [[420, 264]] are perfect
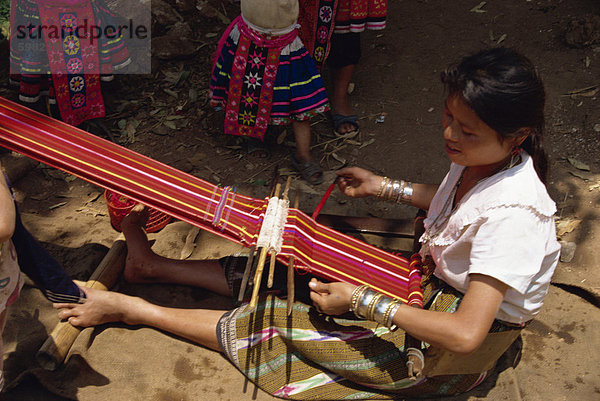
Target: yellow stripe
[[297, 83]]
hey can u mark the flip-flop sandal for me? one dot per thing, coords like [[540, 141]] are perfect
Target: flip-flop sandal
[[310, 171], [340, 119]]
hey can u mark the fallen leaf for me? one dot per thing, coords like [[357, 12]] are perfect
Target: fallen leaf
[[224, 19], [566, 226], [351, 88], [170, 124], [171, 92], [57, 205], [281, 137], [93, 196], [478, 8], [578, 165], [595, 186], [367, 143], [190, 243], [210, 35], [183, 75], [589, 91], [193, 95], [578, 175], [338, 158], [501, 39], [41, 197]]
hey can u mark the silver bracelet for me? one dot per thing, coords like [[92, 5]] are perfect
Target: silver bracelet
[[363, 302], [396, 188], [388, 317], [397, 191], [382, 186], [369, 304], [356, 295], [406, 194], [380, 310]]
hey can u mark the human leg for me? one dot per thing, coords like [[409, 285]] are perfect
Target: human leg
[[101, 307], [144, 266], [301, 159], [343, 58]]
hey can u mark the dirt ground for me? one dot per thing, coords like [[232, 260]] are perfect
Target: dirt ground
[[166, 116]]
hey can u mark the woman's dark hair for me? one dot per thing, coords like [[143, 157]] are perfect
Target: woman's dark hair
[[504, 89]]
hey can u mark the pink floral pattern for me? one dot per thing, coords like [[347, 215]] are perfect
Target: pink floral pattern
[[74, 66]]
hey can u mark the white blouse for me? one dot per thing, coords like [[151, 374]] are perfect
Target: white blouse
[[502, 228]]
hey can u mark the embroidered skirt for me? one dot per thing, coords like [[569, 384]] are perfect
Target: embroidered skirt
[[48, 58], [358, 15], [298, 92], [308, 355]]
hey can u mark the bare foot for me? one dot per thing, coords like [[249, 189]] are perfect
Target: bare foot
[[99, 307], [140, 257]]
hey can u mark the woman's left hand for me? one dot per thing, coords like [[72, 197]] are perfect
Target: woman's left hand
[[331, 298]]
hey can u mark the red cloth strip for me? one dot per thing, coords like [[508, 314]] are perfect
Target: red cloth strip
[[316, 248]]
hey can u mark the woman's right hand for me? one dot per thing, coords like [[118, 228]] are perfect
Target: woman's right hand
[[358, 183]]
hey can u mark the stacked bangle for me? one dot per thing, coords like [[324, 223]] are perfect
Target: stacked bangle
[[384, 182], [398, 191], [369, 304]]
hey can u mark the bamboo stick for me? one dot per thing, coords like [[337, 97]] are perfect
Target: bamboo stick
[[291, 286], [56, 347]]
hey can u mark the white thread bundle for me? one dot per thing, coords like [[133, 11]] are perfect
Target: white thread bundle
[[276, 239], [271, 231]]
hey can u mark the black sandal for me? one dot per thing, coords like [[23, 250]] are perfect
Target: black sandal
[[340, 119]]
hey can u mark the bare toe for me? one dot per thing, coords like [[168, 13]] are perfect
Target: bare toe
[[137, 217]]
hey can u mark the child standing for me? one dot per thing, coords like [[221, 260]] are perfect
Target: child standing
[[263, 76]]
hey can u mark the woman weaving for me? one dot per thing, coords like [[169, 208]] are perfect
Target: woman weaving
[[489, 232]]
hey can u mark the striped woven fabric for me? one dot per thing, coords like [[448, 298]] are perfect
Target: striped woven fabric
[[316, 248]]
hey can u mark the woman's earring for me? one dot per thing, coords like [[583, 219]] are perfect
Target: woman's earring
[[515, 157]]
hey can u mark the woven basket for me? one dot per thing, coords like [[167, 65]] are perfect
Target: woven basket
[[119, 206]]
